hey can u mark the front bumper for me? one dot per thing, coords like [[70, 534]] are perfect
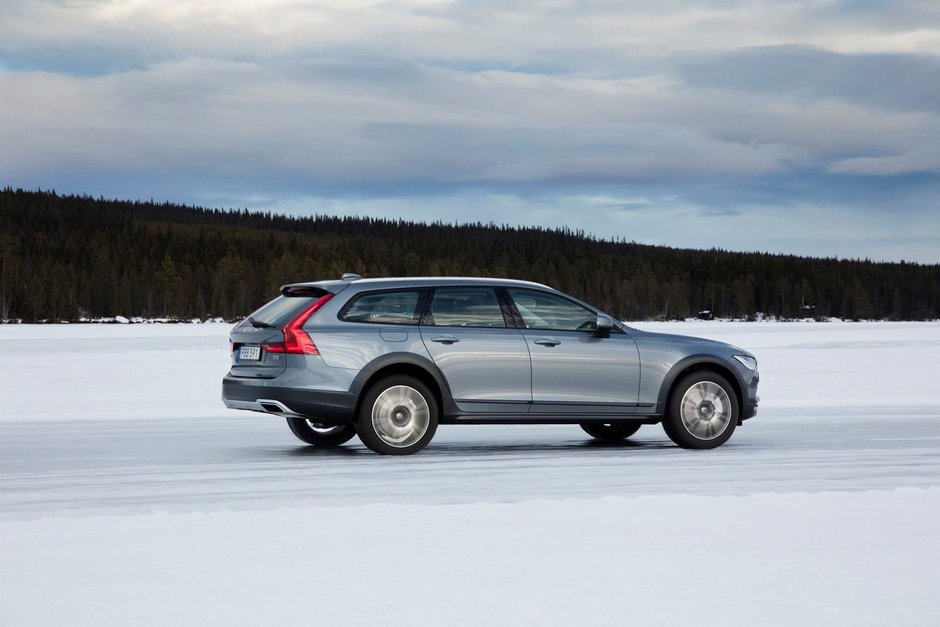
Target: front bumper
[[326, 407], [751, 409]]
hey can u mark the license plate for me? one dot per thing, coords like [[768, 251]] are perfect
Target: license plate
[[250, 353]]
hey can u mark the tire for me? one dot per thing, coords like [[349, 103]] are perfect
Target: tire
[[610, 432], [317, 435], [397, 416], [703, 411]]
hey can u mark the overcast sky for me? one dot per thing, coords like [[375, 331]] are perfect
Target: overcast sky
[[811, 128]]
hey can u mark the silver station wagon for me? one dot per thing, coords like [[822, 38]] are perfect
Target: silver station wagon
[[391, 359]]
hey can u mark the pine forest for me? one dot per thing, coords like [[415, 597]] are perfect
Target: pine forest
[[74, 257]]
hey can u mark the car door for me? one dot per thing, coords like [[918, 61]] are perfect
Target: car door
[[573, 369], [483, 358]]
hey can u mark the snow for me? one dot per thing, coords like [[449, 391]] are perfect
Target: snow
[[760, 560], [105, 371], [95, 372], [130, 495]]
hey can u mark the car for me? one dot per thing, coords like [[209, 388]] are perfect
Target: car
[[389, 359]]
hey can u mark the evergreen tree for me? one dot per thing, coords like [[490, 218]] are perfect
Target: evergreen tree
[[64, 257]]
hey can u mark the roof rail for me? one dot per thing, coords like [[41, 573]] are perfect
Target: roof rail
[[350, 276]]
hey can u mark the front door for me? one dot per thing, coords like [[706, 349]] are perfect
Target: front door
[[484, 360], [574, 370]]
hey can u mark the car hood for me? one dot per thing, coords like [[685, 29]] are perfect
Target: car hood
[[691, 340]]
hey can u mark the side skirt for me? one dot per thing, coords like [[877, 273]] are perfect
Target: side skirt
[[544, 419]]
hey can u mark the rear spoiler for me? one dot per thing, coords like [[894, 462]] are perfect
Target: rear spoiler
[[313, 291], [319, 288]]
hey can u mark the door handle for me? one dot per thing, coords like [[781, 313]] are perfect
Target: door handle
[[547, 341], [445, 339]]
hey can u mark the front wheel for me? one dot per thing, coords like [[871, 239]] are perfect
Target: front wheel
[[609, 432], [397, 416], [703, 411], [321, 435]]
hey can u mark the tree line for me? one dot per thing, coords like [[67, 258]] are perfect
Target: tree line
[[68, 257]]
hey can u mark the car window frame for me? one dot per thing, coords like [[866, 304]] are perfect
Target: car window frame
[[427, 318], [416, 315], [520, 322]]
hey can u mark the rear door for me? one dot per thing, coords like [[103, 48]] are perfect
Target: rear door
[[485, 361], [249, 358]]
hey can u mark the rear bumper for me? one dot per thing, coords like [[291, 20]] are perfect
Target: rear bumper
[[256, 395]]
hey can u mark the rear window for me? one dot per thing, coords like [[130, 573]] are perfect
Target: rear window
[[282, 309], [466, 307], [396, 307]]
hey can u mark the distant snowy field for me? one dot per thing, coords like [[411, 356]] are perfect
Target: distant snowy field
[[131, 496], [95, 372]]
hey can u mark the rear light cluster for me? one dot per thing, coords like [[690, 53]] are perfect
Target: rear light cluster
[[296, 340]]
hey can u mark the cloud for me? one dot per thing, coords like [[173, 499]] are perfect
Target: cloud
[[926, 159], [581, 36], [885, 81], [720, 110], [340, 121]]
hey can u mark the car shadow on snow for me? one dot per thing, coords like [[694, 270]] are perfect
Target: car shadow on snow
[[480, 448], [483, 448], [316, 451]]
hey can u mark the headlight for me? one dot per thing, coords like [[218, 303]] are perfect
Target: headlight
[[749, 362]]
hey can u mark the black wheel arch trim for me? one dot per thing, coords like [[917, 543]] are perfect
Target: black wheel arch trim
[[702, 360], [391, 360]]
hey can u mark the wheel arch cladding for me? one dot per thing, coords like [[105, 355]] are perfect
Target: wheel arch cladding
[[410, 366], [701, 364]]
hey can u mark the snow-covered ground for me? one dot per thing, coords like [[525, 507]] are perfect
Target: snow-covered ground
[[130, 496]]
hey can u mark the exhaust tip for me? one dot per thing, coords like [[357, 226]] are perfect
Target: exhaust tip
[[276, 407]]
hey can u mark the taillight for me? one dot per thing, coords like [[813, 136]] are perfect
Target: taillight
[[296, 340]]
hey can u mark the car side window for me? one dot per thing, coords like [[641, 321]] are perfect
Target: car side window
[[383, 307], [466, 307], [547, 311]]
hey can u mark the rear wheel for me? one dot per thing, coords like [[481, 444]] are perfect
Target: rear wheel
[[703, 411], [321, 435], [398, 416], [609, 432]]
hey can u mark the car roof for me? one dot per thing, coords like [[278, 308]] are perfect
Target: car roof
[[433, 281]]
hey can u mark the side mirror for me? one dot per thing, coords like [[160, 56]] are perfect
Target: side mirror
[[604, 325]]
